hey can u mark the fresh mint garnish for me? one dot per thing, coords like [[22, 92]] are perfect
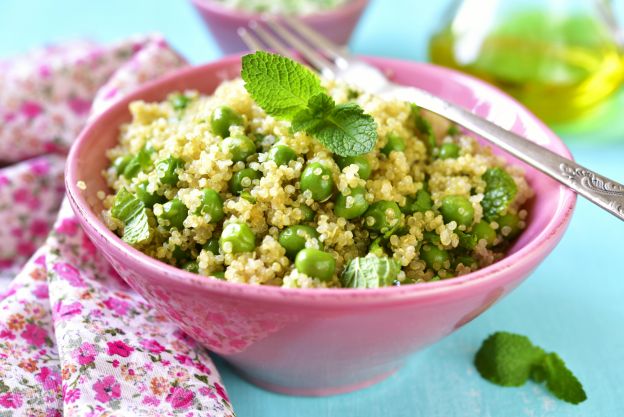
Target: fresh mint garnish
[[286, 89], [500, 190], [281, 86], [509, 359], [132, 212], [371, 271]]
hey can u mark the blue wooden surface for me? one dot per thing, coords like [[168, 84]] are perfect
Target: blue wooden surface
[[572, 304]]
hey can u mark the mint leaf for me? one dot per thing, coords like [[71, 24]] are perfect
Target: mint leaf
[[507, 359], [319, 108], [280, 86], [288, 90], [370, 271], [347, 131], [500, 190], [132, 212], [561, 381], [510, 359]]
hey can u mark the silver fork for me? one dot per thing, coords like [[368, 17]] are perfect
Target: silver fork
[[289, 34]]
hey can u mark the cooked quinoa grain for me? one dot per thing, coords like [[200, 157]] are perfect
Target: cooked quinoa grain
[[217, 187]]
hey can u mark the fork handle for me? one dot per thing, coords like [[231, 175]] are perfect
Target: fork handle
[[600, 190]]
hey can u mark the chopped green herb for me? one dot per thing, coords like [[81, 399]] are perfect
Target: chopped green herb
[[288, 90], [132, 213], [500, 190], [140, 162], [371, 271], [509, 359]]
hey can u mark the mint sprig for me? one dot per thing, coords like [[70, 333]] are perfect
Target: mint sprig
[[509, 359], [287, 90]]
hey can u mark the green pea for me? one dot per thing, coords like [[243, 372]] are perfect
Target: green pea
[[191, 266], [395, 144], [432, 237], [219, 274], [149, 199], [212, 246], [364, 167], [421, 202], [382, 216], [308, 213], [212, 205], [467, 261], [508, 225], [453, 130], [179, 101], [120, 163], [457, 208], [237, 238], [175, 212], [139, 162], [239, 147], [294, 238], [317, 179], [281, 154], [166, 170], [449, 150], [483, 230], [316, 264], [222, 118], [434, 257], [243, 179], [353, 205]]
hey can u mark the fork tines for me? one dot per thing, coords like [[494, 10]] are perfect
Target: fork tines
[[290, 37]]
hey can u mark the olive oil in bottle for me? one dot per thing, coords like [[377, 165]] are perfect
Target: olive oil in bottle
[[559, 67]]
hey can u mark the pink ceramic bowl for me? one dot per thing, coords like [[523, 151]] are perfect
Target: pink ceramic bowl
[[321, 341], [336, 24]]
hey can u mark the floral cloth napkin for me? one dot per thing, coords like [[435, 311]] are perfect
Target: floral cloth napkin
[[75, 340]]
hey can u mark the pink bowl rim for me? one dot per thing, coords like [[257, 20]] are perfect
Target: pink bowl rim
[[348, 8], [542, 242]]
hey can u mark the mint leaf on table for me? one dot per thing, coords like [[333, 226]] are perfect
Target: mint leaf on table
[[506, 359], [500, 190], [509, 359], [561, 381], [370, 271], [132, 213], [282, 87], [288, 90]]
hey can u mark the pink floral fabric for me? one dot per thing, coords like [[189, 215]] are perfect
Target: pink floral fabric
[[75, 340]]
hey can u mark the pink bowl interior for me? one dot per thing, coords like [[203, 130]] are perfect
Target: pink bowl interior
[[550, 210]]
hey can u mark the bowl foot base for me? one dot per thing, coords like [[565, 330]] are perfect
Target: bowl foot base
[[316, 392]]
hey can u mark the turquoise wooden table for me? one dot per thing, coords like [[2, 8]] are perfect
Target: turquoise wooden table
[[573, 303]]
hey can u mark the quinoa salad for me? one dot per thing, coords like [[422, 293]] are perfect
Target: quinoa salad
[[216, 186]]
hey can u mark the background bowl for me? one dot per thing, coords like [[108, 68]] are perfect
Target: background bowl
[[321, 341], [336, 24]]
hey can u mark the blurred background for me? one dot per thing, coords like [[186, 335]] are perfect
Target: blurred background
[[561, 58]]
